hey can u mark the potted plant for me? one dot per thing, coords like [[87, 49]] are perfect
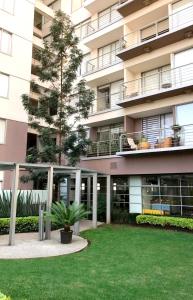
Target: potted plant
[[66, 216], [176, 140], [144, 144]]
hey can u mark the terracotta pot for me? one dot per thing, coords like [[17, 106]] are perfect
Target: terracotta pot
[[144, 145], [167, 142]]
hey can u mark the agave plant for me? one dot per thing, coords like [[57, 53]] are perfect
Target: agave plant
[[66, 216]]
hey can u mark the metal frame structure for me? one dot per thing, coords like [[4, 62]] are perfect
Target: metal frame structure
[[79, 173]]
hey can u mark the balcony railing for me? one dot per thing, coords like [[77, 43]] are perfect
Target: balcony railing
[[169, 23], [175, 136], [101, 62], [86, 29], [103, 148], [106, 102], [159, 82]]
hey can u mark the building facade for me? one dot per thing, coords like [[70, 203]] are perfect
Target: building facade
[[138, 59]]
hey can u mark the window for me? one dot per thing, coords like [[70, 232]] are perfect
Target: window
[[111, 132], [108, 15], [83, 29], [4, 85], [182, 13], [156, 79], [157, 127], [108, 54], [153, 30], [108, 95], [2, 131], [76, 4], [84, 68], [184, 118], [5, 41], [7, 5], [183, 62]]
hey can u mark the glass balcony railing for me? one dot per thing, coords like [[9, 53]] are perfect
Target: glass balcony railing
[[88, 28], [174, 136], [175, 21], [101, 62], [159, 82]]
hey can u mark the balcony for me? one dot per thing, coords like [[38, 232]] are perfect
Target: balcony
[[175, 138], [105, 103], [101, 62], [166, 31], [160, 85], [103, 148], [94, 32], [127, 7]]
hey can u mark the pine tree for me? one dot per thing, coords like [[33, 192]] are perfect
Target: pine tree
[[64, 102]]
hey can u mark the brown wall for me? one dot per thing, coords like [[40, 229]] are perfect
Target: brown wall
[[14, 149], [157, 163]]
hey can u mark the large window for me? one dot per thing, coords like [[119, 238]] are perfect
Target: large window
[[4, 85], [108, 54], [2, 131], [184, 118], [157, 127], [108, 15], [168, 194], [108, 95], [156, 79], [5, 41], [7, 5], [181, 13]]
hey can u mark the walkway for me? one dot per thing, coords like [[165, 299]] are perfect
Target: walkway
[[28, 246]]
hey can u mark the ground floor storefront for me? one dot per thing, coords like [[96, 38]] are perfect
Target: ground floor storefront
[[159, 194]]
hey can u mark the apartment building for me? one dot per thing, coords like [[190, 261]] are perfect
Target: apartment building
[[139, 61], [138, 58], [16, 32]]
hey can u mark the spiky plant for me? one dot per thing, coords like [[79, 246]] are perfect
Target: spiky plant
[[66, 216]]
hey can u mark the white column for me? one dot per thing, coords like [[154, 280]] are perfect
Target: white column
[[108, 200], [135, 202], [88, 192], [77, 198], [94, 199], [49, 201], [13, 205]]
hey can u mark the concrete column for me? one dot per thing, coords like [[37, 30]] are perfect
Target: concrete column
[[77, 198], [108, 200], [88, 192], [49, 201], [94, 204], [13, 205]]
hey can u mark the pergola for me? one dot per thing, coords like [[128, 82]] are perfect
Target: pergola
[[77, 173]]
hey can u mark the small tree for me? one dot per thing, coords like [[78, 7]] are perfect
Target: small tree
[[63, 102]]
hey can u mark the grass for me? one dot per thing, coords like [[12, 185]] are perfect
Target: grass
[[121, 263]]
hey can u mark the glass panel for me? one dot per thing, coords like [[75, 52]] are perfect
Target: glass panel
[[104, 18], [148, 33]]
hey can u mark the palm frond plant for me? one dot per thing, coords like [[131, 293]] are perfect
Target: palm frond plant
[[66, 216]]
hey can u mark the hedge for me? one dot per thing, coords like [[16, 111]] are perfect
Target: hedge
[[3, 297], [23, 224], [183, 223]]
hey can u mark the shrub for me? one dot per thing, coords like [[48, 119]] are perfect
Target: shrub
[[3, 297], [23, 224], [122, 216], [26, 206], [184, 223]]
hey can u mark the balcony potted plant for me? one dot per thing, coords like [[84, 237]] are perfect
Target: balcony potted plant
[[143, 143], [66, 216], [176, 129]]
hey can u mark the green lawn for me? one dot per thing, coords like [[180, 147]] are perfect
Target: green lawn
[[121, 263]]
